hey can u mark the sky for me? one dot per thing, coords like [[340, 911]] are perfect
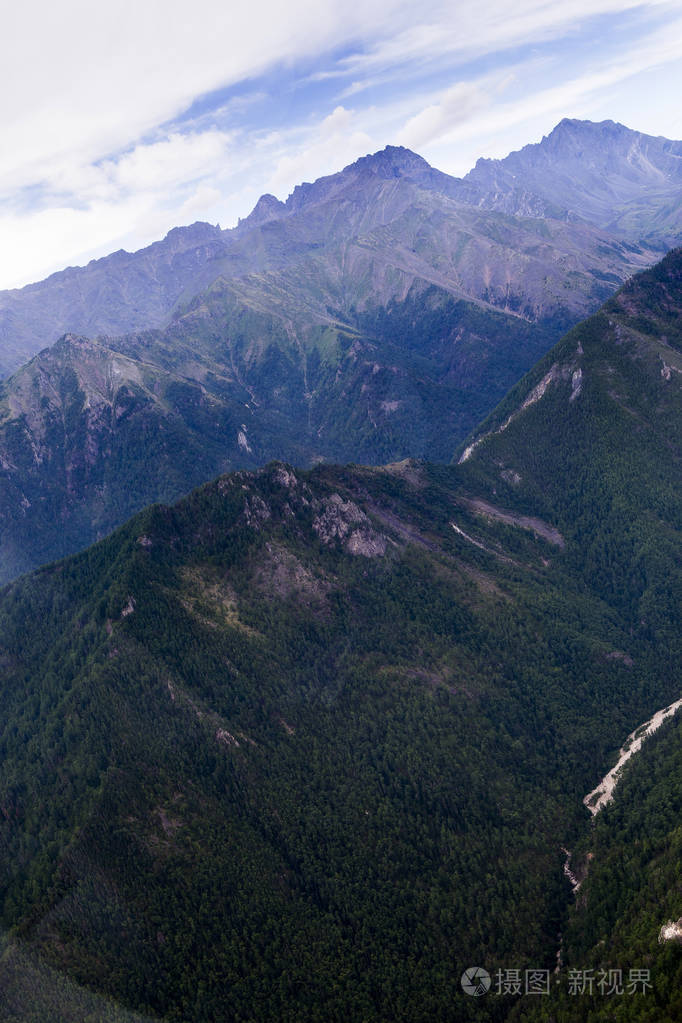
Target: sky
[[121, 121]]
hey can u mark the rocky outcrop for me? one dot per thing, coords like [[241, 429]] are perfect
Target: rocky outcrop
[[344, 521]]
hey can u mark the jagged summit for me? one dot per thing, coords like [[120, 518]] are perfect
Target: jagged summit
[[392, 161], [594, 175], [591, 142], [194, 233], [267, 208], [177, 240], [602, 141], [601, 173], [575, 126], [601, 132]]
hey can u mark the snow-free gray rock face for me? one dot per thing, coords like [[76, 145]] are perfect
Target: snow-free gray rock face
[[543, 229], [604, 174]]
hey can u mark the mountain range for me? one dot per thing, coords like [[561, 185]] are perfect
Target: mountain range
[[594, 187], [309, 744], [316, 739], [379, 313]]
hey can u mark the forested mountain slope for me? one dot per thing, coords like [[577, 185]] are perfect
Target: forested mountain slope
[[91, 432], [591, 440], [307, 745]]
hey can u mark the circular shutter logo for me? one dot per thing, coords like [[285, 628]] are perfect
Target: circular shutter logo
[[475, 981]]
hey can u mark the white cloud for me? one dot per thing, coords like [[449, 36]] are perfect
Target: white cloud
[[203, 199], [485, 27], [456, 106], [37, 243], [334, 142], [574, 97], [92, 158], [178, 160], [173, 161], [84, 79]]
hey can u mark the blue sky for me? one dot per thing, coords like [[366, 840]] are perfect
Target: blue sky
[[119, 124]]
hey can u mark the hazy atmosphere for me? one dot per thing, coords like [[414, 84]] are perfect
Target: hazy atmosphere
[[122, 121]]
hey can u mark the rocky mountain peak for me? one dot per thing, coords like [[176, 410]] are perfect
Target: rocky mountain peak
[[572, 127], [391, 162], [267, 208], [69, 343], [603, 144], [193, 234], [590, 171]]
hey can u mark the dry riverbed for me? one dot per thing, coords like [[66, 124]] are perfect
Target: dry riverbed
[[603, 793]]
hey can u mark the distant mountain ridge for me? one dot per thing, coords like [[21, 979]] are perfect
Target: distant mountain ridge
[[616, 179], [604, 174], [111, 295], [373, 316]]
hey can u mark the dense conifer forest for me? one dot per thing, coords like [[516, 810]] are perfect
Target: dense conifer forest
[[307, 745]]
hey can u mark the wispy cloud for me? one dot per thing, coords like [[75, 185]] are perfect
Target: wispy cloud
[[573, 96], [337, 137], [456, 106], [89, 79], [121, 121], [484, 28]]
